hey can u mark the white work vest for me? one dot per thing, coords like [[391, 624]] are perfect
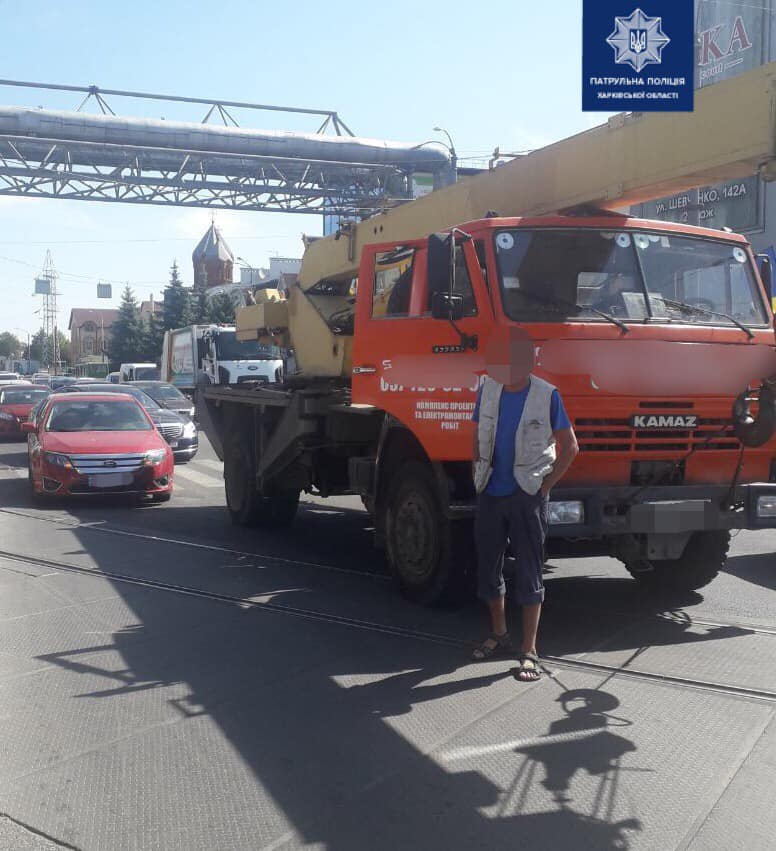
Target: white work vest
[[535, 451]]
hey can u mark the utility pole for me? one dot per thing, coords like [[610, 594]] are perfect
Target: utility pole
[[50, 331]]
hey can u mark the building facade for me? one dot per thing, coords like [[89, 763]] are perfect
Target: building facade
[[90, 335], [730, 38]]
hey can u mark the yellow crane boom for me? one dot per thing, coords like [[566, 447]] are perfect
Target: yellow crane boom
[[631, 158]]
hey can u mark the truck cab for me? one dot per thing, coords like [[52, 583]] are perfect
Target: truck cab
[[651, 331], [226, 360]]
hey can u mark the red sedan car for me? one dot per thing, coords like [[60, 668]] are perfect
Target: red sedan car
[[88, 443], [16, 402]]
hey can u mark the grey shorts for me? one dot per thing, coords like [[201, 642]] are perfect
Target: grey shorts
[[520, 519]]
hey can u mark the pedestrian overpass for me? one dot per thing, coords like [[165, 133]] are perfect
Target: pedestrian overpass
[[111, 158]]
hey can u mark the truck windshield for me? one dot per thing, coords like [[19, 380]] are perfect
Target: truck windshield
[[554, 275], [228, 347]]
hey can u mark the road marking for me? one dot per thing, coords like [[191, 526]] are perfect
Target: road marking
[[204, 480], [218, 466]]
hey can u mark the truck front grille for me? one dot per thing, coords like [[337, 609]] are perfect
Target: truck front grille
[[618, 435]]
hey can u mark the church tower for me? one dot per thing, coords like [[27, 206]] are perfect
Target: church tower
[[213, 260]]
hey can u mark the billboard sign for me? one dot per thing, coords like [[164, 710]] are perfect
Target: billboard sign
[[42, 286], [730, 38]]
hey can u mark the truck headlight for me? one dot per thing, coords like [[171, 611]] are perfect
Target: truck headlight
[[766, 506], [189, 430], [57, 460], [155, 456], [567, 512]]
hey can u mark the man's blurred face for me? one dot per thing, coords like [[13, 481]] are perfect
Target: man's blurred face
[[509, 357]]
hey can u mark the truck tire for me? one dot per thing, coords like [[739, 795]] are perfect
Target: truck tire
[[421, 540], [246, 506], [704, 556]]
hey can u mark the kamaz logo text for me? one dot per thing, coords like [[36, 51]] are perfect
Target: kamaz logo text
[[664, 421]]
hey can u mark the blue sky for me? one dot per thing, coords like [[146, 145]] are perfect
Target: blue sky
[[505, 73]]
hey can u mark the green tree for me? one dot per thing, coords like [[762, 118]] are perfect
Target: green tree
[[153, 339], [177, 302], [10, 344], [128, 333], [221, 309], [39, 351]]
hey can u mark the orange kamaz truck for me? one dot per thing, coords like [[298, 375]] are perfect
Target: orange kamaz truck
[[659, 336]]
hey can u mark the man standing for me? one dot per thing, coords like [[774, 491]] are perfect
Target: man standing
[[523, 444]]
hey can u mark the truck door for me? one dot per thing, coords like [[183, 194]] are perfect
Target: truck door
[[411, 365]]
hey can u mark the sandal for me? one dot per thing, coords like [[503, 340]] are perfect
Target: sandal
[[494, 645], [529, 669]]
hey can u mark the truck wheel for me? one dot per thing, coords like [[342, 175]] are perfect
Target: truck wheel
[[419, 538], [246, 506], [242, 499], [704, 556]]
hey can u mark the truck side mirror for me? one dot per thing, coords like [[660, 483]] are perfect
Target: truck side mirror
[[440, 263], [28, 427], [446, 305]]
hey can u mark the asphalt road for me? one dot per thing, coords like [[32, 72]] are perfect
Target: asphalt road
[[169, 681]]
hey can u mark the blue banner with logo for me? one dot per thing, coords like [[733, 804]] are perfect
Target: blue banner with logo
[[637, 58]]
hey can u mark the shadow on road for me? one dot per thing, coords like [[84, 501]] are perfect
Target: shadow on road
[[315, 709], [758, 569]]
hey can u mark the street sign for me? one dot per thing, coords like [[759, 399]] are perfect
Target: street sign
[[104, 291], [42, 286]]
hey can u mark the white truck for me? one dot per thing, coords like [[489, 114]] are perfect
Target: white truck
[[199, 355]]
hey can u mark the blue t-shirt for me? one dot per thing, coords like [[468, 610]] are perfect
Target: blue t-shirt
[[502, 480]]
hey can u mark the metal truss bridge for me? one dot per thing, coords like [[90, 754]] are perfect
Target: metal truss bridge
[[105, 157]]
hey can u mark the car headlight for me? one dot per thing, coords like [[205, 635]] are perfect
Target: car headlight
[[191, 411], [766, 506], [57, 460], [155, 456], [189, 430], [4, 416], [569, 512]]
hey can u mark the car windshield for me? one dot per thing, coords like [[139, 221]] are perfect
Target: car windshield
[[228, 347], [149, 373], [145, 400], [97, 415], [21, 396], [163, 391], [552, 275]]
